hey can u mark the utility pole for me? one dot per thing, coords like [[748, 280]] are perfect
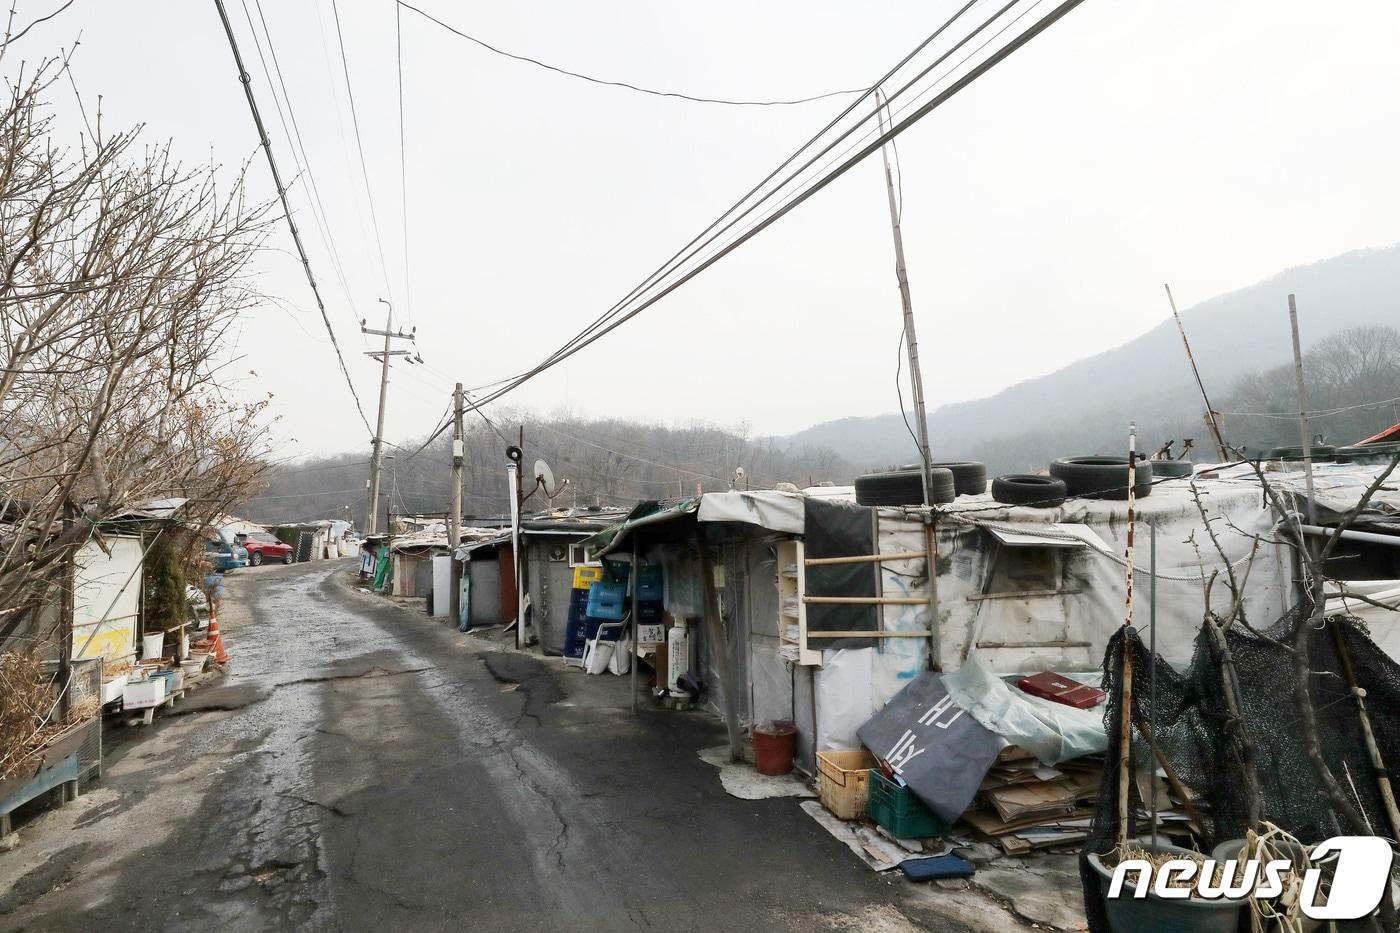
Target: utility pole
[[376, 461], [916, 379], [454, 518], [916, 384]]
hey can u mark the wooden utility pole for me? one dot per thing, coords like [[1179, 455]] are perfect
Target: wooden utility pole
[[454, 517], [376, 461]]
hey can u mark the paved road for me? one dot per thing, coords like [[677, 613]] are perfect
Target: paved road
[[363, 768]]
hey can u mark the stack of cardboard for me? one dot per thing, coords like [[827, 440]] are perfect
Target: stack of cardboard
[[1025, 805]]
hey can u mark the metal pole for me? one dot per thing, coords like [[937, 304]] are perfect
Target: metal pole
[[513, 475], [376, 462], [1152, 660], [1125, 706], [636, 618], [916, 379], [454, 518], [1303, 429]]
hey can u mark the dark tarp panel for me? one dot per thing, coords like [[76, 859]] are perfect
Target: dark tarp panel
[[840, 529]]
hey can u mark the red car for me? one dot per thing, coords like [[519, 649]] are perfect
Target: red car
[[263, 547]]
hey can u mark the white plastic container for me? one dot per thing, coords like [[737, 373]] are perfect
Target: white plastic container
[[152, 645], [677, 657], [143, 694], [621, 661], [597, 655]]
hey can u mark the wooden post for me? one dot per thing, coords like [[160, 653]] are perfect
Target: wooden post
[[714, 633], [1392, 812], [1125, 711], [916, 378], [1304, 431], [65, 625], [1221, 450]]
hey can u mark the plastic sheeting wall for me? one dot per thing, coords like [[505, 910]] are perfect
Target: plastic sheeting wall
[[1070, 630]]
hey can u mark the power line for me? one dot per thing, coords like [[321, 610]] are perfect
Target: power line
[[618, 317], [622, 84], [710, 235], [286, 208], [403, 167], [303, 162], [360, 146]]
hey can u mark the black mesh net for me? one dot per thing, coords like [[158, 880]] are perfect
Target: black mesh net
[[1196, 732]]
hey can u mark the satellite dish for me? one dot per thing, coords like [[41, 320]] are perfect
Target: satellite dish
[[545, 477]]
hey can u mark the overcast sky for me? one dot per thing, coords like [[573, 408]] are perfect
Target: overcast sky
[[1203, 142]]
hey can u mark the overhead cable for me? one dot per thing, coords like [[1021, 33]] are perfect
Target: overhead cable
[[360, 146], [286, 208], [622, 84], [403, 166], [619, 317], [303, 162], [709, 234]]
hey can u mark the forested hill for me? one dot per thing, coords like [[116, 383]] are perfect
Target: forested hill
[[607, 462], [1068, 411]]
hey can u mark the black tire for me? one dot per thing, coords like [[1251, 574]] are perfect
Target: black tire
[[1318, 451], [287, 558], [255, 559], [969, 476], [904, 487], [1041, 492], [1373, 453], [1102, 477], [1173, 468]]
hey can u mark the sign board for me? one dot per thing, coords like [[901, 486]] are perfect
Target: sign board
[[939, 750], [107, 598]]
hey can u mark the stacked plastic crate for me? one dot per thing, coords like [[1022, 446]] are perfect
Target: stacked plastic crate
[[576, 629]]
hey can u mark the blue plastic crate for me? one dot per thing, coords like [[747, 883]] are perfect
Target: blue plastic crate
[[607, 601], [575, 637], [649, 584]]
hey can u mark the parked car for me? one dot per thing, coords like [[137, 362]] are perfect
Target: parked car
[[263, 548], [224, 554]]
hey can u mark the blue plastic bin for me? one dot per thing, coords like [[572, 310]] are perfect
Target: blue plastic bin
[[607, 601]]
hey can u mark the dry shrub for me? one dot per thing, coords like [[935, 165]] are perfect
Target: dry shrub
[[25, 700]]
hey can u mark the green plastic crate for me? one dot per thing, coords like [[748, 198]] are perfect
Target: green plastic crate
[[899, 811]]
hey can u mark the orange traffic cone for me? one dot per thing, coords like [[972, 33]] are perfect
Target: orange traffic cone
[[220, 654]]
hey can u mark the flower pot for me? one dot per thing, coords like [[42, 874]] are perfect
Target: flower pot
[[1153, 914], [774, 745]]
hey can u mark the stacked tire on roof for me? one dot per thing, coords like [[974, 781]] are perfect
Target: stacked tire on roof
[[1095, 477]]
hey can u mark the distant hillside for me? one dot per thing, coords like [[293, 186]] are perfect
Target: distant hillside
[[1068, 411]]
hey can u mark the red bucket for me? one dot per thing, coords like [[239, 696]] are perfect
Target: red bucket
[[774, 745]]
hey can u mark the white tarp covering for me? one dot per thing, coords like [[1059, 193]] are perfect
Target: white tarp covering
[[1028, 609], [1051, 731], [767, 508]]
